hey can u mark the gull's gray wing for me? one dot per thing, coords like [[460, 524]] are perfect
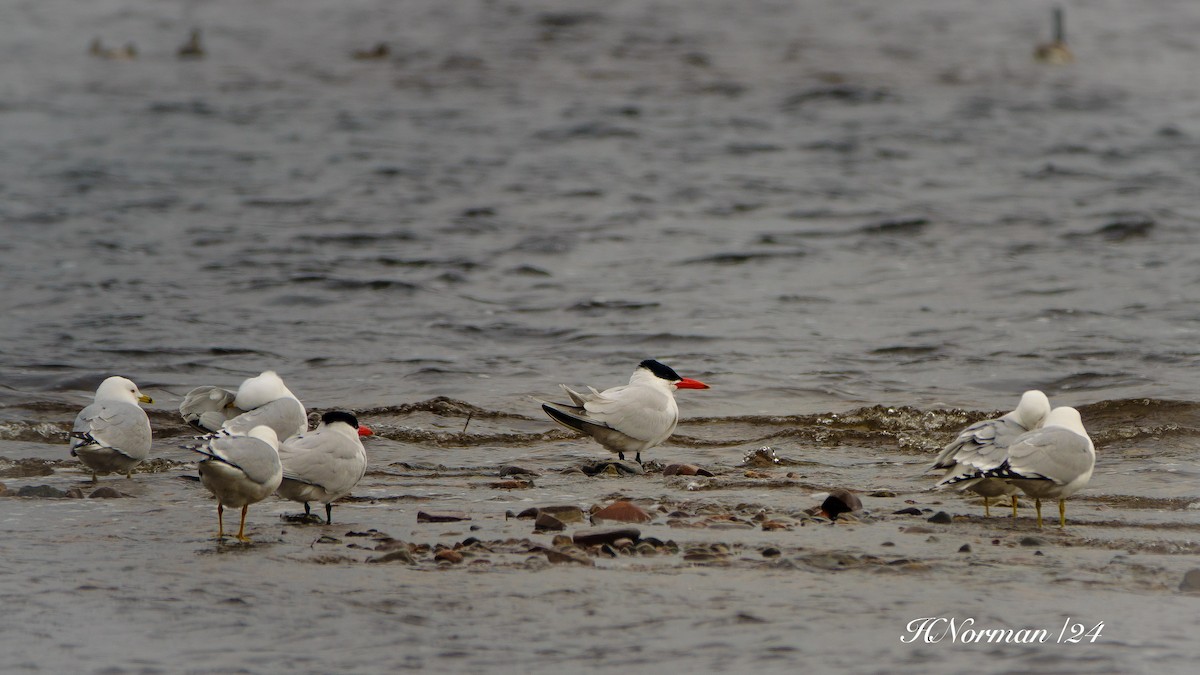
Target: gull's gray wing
[[256, 459], [285, 415], [113, 424], [982, 446], [209, 407], [1055, 453]]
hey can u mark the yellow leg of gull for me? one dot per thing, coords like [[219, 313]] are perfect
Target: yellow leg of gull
[[1014, 498], [987, 512], [241, 535], [1062, 513], [1037, 504]]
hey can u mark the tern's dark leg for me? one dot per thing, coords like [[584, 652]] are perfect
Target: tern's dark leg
[[307, 511], [220, 521], [94, 479], [638, 459], [1037, 504], [329, 514], [621, 456]]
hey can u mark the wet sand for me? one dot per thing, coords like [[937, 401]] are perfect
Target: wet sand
[[733, 571]]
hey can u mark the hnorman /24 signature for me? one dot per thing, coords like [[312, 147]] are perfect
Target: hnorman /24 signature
[[932, 629]]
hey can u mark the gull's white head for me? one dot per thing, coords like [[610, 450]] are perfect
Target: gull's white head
[[261, 390], [1066, 416], [121, 389], [1032, 410], [265, 434]]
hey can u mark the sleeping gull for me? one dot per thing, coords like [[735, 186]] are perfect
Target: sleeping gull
[[263, 399], [113, 433], [1053, 462], [239, 471], [984, 445], [629, 418], [325, 464]]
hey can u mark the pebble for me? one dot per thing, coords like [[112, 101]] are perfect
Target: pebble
[[45, 491], [910, 511], [771, 552], [441, 516], [105, 493], [840, 501], [566, 513], [511, 470], [559, 557], [401, 554], [941, 517], [511, 485], [685, 470], [546, 522], [1031, 541], [965, 548], [772, 525], [561, 540], [1191, 581], [593, 537], [613, 467], [449, 555], [622, 512]]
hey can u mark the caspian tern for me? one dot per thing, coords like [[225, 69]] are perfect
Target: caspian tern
[[629, 418], [112, 435], [1053, 462], [983, 446], [325, 464], [239, 471], [263, 399]]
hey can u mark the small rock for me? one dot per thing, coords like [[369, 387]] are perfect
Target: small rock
[[559, 557], [73, 493], [609, 551], [883, 494], [561, 540], [389, 544], [401, 555], [511, 485], [326, 539], [613, 467], [685, 470], [593, 537], [646, 548], [441, 516], [840, 501], [45, 491], [910, 511], [449, 555], [888, 543], [1191, 581], [566, 513], [1031, 541], [622, 512], [547, 523], [772, 525], [531, 512], [941, 517], [965, 548], [771, 552], [105, 492], [511, 470], [623, 544]]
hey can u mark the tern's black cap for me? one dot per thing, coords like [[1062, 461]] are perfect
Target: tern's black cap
[[339, 416], [659, 370]]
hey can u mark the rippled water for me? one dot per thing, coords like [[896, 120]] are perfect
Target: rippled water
[[875, 210]]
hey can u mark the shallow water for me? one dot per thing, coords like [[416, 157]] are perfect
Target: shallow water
[[864, 224]]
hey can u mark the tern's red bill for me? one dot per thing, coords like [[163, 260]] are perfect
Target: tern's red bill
[[364, 430], [689, 383]]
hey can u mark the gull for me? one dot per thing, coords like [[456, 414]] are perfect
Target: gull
[[1053, 462], [984, 445], [263, 399], [112, 435], [239, 471], [629, 418], [325, 464]]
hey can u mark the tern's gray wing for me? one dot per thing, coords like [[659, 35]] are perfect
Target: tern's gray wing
[[982, 446], [209, 407], [256, 459], [285, 415], [1058, 454], [113, 424], [325, 459]]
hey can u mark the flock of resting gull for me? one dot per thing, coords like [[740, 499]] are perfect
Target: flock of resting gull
[[257, 441]]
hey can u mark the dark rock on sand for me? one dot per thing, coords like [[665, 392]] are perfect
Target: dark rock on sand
[[910, 511], [613, 467], [448, 555], [44, 491], [1191, 582], [622, 512], [594, 537], [559, 557], [941, 517], [771, 552], [511, 470], [106, 492], [685, 470], [1031, 541], [401, 555], [441, 516], [965, 548], [547, 523], [840, 501]]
